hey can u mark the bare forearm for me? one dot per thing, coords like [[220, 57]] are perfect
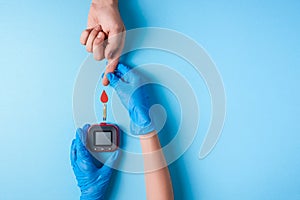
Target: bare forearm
[[157, 177]]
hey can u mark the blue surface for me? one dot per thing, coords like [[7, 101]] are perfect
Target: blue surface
[[256, 48]]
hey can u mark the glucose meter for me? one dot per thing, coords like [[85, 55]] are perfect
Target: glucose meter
[[103, 137]]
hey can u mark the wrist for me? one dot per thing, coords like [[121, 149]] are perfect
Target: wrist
[[94, 196], [141, 130], [150, 142], [105, 3]]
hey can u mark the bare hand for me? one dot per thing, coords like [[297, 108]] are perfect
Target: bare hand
[[104, 22]]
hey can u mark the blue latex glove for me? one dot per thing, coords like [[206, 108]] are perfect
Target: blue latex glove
[[127, 84], [92, 181]]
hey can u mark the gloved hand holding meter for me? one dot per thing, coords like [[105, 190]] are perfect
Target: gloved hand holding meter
[[104, 137]]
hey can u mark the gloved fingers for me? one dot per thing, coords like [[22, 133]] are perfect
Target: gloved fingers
[[82, 133], [80, 138], [85, 129], [123, 69], [107, 168], [73, 156], [113, 79], [81, 151], [120, 73], [129, 75]]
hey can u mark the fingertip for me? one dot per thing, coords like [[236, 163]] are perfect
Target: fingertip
[[97, 57], [84, 35], [86, 127], [89, 48], [105, 81]]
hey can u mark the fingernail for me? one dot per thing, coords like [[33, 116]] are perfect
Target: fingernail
[[97, 28]]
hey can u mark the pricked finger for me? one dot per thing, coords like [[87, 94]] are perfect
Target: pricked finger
[[111, 66]]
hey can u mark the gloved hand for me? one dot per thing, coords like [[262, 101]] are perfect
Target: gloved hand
[[92, 181], [127, 84]]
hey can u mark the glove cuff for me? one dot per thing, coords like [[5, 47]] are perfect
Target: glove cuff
[[139, 130], [141, 122], [91, 197]]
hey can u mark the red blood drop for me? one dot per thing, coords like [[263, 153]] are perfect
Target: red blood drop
[[104, 97]]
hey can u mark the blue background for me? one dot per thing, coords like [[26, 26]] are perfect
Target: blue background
[[255, 45]]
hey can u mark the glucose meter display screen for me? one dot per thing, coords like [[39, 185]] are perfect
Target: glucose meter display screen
[[103, 138]]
